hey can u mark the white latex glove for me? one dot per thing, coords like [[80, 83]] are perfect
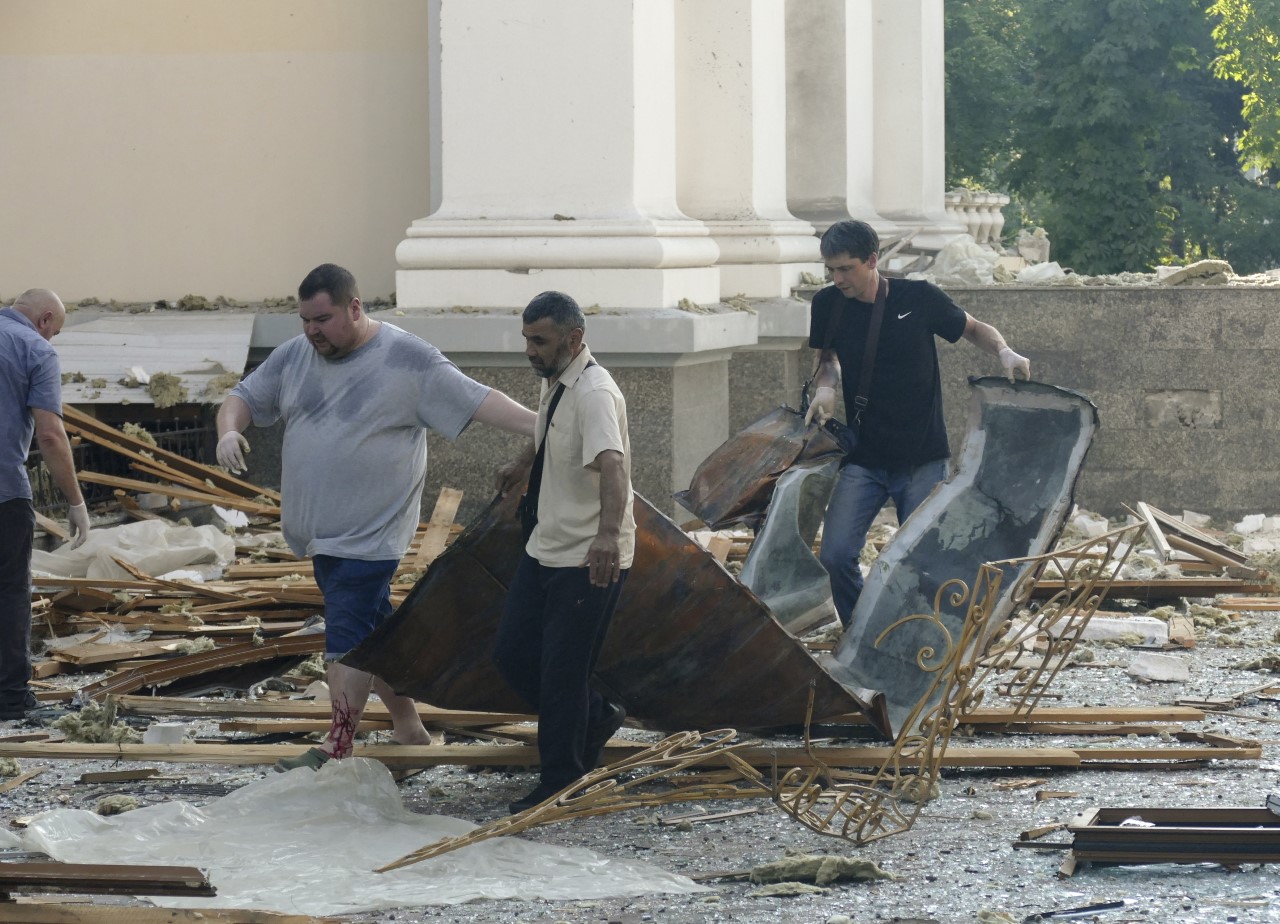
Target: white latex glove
[[78, 519], [1015, 363], [822, 406], [231, 449]]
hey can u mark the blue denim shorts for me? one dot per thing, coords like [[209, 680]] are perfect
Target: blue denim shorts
[[357, 599]]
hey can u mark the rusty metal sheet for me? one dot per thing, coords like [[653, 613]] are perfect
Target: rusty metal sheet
[[1008, 499], [689, 646], [734, 483]]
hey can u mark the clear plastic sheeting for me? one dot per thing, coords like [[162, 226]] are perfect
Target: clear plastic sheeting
[[961, 261], [307, 842], [151, 546]]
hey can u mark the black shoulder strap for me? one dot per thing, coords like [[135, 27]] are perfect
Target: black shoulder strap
[[535, 473], [868, 355]]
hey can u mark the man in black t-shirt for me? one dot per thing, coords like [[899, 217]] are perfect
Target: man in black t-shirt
[[902, 447]]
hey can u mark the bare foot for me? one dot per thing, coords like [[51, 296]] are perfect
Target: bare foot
[[424, 738]]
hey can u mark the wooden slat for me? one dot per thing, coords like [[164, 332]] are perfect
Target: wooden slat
[[296, 726], [299, 709], [96, 431], [168, 490], [103, 879], [44, 913], [1166, 588], [1065, 715], [52, 527], [204, 662], [437, 532], [1248, 603], [12, 784], [407, 756]]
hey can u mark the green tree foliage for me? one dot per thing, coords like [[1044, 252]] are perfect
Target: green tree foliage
[[1121, 139], [987, 75], [1248, 36]]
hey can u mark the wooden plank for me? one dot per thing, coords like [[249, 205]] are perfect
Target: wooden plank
[[204, 662], [719, 545], [87, 654], [260, 570], [995, 715], [407, 756], [1165, 588], [118, 776], [12, 784], [1197, 542], [178, 478], [437, 532], [1249, 603], [46, 668], [1209, 554], [103, 879], [301, 709], [32, 913], [84, 599], [52, 527], [1154, 532], [168, 490], [296, 726], [96, 431]]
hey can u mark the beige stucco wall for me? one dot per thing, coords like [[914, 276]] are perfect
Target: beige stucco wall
[[152, 148]]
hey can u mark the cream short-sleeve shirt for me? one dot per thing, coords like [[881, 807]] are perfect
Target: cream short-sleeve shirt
[[590, 418]]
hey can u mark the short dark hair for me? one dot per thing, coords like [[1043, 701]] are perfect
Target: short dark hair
[[856, 238], [560, 308], [331, 279]]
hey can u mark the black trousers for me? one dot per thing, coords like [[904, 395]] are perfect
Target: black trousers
[[553, 625], [17, 532]]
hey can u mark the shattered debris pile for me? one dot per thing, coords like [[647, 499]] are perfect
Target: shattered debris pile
[[212, 664]]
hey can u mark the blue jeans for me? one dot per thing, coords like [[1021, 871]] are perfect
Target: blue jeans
[[857, 498], [357, 599]]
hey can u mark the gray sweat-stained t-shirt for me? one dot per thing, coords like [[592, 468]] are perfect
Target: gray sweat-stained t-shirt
[[355, 451]]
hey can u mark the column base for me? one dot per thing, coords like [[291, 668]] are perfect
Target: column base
[[606, 288], [764, 280]]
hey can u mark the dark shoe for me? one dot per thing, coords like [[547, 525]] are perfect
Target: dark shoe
[[17, 708], [314, 758], [598, 735], [541, 793]]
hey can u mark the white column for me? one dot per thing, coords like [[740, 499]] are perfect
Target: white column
[[909, 123], [557, 162], [831, 110], [731, 143]]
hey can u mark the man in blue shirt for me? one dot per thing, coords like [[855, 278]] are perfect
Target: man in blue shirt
[[30, 403]]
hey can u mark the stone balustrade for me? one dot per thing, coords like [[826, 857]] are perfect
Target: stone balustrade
[[980, 212]]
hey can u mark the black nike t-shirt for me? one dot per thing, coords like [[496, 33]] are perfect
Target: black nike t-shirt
[[902, 425]]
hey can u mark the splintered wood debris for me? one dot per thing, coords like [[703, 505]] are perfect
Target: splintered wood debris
[[133, 629]]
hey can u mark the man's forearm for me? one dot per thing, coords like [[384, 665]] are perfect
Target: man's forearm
[[613, 494], [984, 336], [55, 450], [828, 374], [233, 415], [498, 410]]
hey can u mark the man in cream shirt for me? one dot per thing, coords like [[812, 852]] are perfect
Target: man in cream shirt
[[576, 559]]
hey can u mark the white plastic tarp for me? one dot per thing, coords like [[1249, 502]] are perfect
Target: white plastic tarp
[[155, 547], [307, 842]]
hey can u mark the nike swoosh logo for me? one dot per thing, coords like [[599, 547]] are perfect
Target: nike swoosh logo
[[901, 316]]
